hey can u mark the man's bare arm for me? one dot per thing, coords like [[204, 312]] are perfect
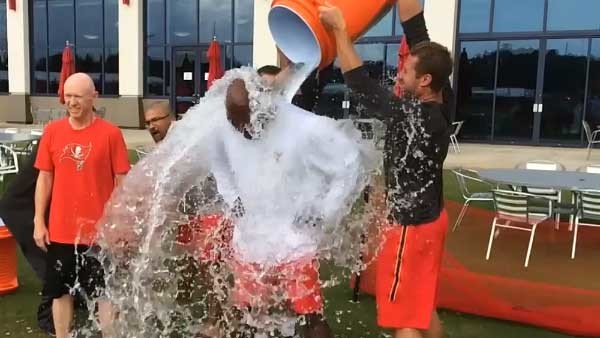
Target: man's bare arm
[[43, 191], [334, 21], [408, 9]]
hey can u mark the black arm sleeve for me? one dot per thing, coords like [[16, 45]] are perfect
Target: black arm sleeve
[[377, 101], [415, 30]]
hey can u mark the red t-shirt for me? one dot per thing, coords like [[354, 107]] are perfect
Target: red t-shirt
[[84, 163]]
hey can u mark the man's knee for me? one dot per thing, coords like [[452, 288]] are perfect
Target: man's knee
[[408, 333]]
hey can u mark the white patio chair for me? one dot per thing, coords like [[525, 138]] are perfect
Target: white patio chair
[[588, 211], [464, 177], [514, 207], [457, 126], [553, 194], [11, 130], [591, 137], [9, 163]]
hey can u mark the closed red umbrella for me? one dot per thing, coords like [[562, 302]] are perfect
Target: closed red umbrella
[[67, 69], [403, 53], [215, 70]]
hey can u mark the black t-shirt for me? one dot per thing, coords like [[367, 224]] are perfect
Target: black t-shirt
[[416, 142]]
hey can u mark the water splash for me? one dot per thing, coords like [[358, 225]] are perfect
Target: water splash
[[283, 201]]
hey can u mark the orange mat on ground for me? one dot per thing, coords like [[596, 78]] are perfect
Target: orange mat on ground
[[8, 262], [558, 293]]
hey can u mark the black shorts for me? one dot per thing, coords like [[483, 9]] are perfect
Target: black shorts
[[69, 265]]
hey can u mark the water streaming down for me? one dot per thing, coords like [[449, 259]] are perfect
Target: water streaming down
[[210, 218]]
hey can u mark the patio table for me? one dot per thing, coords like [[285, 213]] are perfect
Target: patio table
[[6, 138], [563, 180]]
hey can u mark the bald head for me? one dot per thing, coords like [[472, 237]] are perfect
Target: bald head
[[80, 95]]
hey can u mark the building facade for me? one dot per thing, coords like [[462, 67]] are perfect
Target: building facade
[[526, 72]]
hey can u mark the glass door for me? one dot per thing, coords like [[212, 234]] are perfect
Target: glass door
[[190, 74]]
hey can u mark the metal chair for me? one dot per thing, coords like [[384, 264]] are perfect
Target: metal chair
[[591, 136], [464, 177], [457, 126], [514, 207], [553, 194], [9, 163], [588, 210]]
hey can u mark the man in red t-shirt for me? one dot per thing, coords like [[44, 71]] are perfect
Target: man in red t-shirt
[[81, 158]]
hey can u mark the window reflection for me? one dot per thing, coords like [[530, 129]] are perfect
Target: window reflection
[[244, 17], [518, 15], [182, 22], [573, 15], [242, 56], [475, 89], [155, 21], [383, 27], [154, 71], [95, 47], [593, 102], [215, 19], [474, 16], [564, 89]]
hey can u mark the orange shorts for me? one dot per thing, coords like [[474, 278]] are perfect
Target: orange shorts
[[207, 236], [297, 281], [408, 267]]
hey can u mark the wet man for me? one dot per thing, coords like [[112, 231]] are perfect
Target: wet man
[[416, 147], [80, 159], [158, 119]]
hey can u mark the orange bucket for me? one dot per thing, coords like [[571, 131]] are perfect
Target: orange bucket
[[298, 32], [8, 262]]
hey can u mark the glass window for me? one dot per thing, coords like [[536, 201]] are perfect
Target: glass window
[[95, 46], [40, 76], [4, 71], [215, 20], [244, 19], [40, 23], [54, 66], [242, 56], [593, 101], [182, 22], [61, 22], [475, 88], [383, 27], [155, 22], [111, 71], [155, 74], [518, 15], [89, 23], [391, 64], [373, 57], [564, 89], [111, 23], [475, 16], [573, 15], [515, 89]]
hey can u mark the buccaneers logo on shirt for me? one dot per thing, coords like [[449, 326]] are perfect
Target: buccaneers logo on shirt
[[77, 153]]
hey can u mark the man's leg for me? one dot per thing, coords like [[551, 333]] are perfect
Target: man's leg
[[435, 328], [106, 316], [408, 333], [62, 313], [44, 316], [316, 327]]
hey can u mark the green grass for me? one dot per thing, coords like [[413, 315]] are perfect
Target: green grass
[[348, 319]]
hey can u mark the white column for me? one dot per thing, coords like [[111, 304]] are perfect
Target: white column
[[131, 48], [440, 16], [264, 50], [17, 30]]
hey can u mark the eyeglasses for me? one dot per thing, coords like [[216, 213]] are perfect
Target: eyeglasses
[[156, 119]]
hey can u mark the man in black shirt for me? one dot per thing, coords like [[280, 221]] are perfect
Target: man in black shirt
[[17, 210], [418, 130]]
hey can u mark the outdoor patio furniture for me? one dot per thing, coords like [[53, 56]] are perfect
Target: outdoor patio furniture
[[9, 163], [588, 211], [515, 207], [549, 193], [591, 137], [457, 126], [464, 177]]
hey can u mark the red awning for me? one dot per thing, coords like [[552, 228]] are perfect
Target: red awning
[[215, 70], [68, 68]]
